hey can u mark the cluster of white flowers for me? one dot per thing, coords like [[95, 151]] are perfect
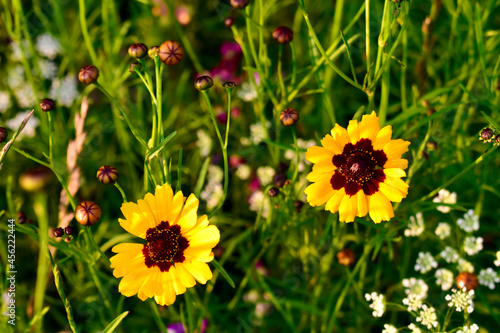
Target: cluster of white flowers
[[213, 191], [444, 196], [469, 329], [25, 96], [48, 46], [388, 328], [449, 254], [416, 225], [414, 328], [243, 172], [204, 143], [64, 91], [465, 266], [425, 262], [4, 101], [444, 278], [265, 175], [29, 129], [259, 202], [472, 245], [416, 287], [262, 309], [488, 277], [461, 300], [258, 132], [443, 230], [48, 69], [470, 222], [497, 261], [291, 154], [247, 91], [413, 302], [378, 303], [427, 316]]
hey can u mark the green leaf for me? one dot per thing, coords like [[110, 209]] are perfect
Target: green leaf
[[111, 327], [160, 147], [201, 177], [223, 272]]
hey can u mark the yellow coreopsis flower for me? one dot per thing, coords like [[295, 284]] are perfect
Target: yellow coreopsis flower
[[179, 245], [358, 171]]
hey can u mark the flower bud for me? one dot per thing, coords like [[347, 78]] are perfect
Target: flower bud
[[283, 35], [346, 257], [229, 85], [138, 50], [58, 232], [47, 105], [107, 174], [182, 15], [203, 83], [467, 280], [486, 134], [289, 117], [496, 140], [153, 52], [35, 180], [67, 239], [170, 52], [69, 230], [279, 180], [432, 145], [87, 213], [21, 218], [135, 66], [298, 205], [3, 134], [273, 192], [229, 21], [88, 74], [239, 3]]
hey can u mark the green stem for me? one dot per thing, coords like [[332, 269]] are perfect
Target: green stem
[[296, 171], [40, 208], [294, 63], [92, 243], [85, 33], [157, 316], [280, 74], [159, 97], [367, 40], [51, 138], [121, 192], [147, 84]]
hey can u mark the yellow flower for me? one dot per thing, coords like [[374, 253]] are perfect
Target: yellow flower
[[178, 246], [358, 171]]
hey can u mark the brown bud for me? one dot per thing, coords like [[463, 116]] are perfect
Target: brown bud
[[346, 257], [171, 52], [298, 205], [229, 85], [273, 192], [432, 145], [486, 134], [289, 117], [283, 35], [135, 66], [88, 74], [69, 230], [239, 3], [107, 174], [87, 213], [467, 280], [21, 218], [279, 179], [3, 134], [229, 21], [203, 83], [58, 232], [138, 50], [47, 105], [153, 52]]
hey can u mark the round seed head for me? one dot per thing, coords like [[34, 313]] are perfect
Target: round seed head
[[47, 105], [203, 83], [239, 3], [289, 117], [171, 52], [58, 232], [69, 230], [283, 35], [138, 50], [107, 174], [273, 192], [346, 257], [87, 213], [88, 74], [229, 21]]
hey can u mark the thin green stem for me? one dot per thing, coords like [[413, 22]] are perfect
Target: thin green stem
[[51, 137], [280, 74], [147, 84], [159, 98], [85, 33], [296, 171], [40, 207], [121, 192], [157, 316], [92, 243], [294, 63], [367, 40]]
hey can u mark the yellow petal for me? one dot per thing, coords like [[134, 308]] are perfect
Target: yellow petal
[[186, 278], [398, 163], [168, 296], [317, 154], [319, 193], [397, 183], [332, 145], [205, 238], [394, 172], [324, 167], [164, 196], [382, 138], [353, 130], [130, 284], [199, 270], [369, 126], [333, 203], [188, 217], [395, 148], [362, 204], [340, 135], [135, 222], [379, 207], [348, 208], [178, 286], [176, 208], [392, 193], [150, 200]]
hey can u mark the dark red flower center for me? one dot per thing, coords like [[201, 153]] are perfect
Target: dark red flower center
[[359, 168], [165, 246]]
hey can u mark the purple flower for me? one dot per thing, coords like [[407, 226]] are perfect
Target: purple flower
[[179, 328]]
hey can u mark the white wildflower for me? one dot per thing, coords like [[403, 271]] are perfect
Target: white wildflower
[[444, 278], [449, 254], [251, 297], [4, 101], [427, 316], [212, 194], [415, 286], [415, 226], [64, 91], [461, 300], [204, 143], [473, 245], [488, 277], [469, 329], [414, 328], [258, 132], [265, 175], [48, 69], [291, 154], [246, 92], [388, 328], [378, 303], [15, 77], [465, 266], [29, 129], [262, 309], [443, 230], [259, 202], [215, 174], [25, 96], [425, 262], [444, 196], [413, 302], [243, 172], [17, 54], [48, 46], [470, 222]]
